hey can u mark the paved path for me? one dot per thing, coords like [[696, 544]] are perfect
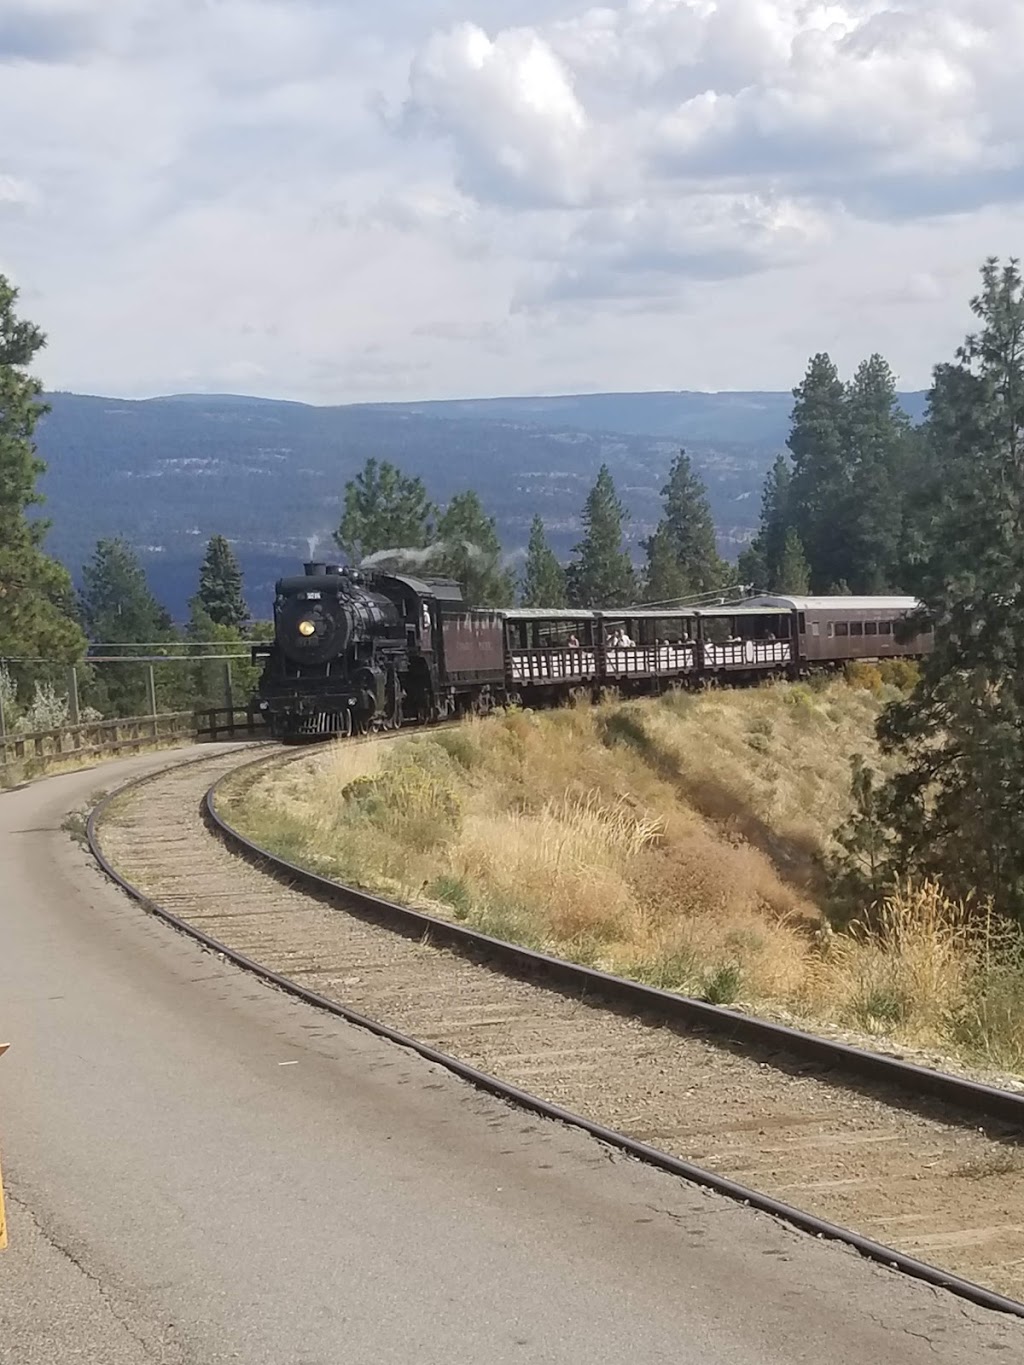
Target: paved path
[[201, 1170]]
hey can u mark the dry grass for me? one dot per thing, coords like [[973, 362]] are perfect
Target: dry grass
[[680, 841]]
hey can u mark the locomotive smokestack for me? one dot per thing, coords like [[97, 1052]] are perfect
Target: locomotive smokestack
[[314, 570]]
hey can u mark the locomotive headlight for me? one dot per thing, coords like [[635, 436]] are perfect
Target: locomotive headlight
[[307, 628]]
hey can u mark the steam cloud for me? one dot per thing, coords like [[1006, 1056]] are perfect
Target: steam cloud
[[403, 557]]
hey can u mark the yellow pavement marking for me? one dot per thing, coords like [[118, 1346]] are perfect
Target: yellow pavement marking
[[3, 1220]]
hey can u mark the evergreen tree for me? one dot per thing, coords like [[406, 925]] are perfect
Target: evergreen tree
[[601, 575], [793, 577], [820, 484], [761, 564], [384, 509], [921, 481], [117, 607], [471, 553], [209, 677], [220, 585], [690, 530], [876, 437], [664, 580], [36, 598], [955, 806], [543, 576], [752, 568]]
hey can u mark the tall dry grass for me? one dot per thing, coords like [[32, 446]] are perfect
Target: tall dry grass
[[680, 841]]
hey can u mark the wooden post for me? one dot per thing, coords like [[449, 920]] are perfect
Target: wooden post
[[229, 699], [74, 710], [151, 694]]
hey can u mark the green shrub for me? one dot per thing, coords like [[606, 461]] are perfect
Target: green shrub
[[461, 747], [721, 985], [903, 674], [454, 892], [865, 676]]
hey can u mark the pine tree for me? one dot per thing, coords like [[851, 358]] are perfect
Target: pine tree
[[208, 676], [384, 510], [601, 575], [793, 577], [819, 491], [876, 437], [752, 568], [36, 598], [921, 500], [664, 580], [220, 585], [471, 553], [543, 576], [955, 806], [117, 607], [760, 565], [690, 530]]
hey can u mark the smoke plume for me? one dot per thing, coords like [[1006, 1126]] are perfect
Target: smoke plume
[[403, 557]]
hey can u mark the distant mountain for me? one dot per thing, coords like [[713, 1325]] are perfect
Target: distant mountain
[[167, 473], [756, 419]]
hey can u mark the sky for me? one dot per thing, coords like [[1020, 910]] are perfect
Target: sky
[[338, 201]]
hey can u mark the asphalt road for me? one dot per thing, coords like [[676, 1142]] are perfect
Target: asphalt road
[[200, 1170]]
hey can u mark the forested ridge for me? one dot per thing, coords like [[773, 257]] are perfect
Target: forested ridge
[[168, 473]]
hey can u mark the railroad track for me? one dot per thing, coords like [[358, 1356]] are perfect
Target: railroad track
[[915, 1168]]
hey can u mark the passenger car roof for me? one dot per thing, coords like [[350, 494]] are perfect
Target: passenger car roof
[[838, 603]]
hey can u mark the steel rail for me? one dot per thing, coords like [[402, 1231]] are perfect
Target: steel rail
[[570, 973]]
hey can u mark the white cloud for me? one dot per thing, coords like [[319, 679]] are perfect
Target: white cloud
[[644, 193], [766, 91], [15, 193], [509, 103]]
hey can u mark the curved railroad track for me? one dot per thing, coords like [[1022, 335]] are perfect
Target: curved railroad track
[[912, 1167]]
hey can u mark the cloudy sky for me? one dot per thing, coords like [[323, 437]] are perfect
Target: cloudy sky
[[339, 200]]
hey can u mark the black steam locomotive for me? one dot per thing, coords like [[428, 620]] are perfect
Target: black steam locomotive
[[355, 651]]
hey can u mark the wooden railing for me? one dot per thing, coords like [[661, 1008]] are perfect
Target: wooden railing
[[221, 722], [39, 750]]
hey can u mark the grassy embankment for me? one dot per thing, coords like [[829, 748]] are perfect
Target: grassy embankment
[[679, 841]]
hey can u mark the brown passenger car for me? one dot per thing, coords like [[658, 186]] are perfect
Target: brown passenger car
[[835, 629]]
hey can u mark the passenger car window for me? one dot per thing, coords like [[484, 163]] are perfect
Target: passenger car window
[[870, 628], [815, 628], [842, 628], [856, 628], [885, 627]]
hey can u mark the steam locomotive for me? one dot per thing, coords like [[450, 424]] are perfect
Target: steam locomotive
[[355, 651]]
